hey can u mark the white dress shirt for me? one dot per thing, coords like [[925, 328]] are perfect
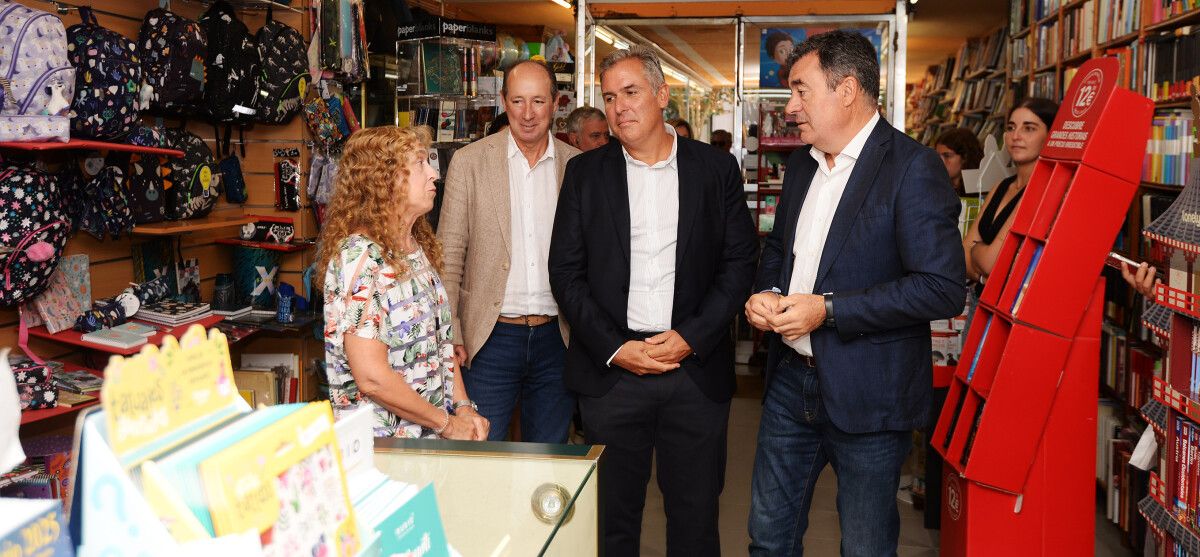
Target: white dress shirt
[[824, 195], [533, 196], [653, 235]]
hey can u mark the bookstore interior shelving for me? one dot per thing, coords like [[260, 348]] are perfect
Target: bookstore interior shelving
[[1149, 349]]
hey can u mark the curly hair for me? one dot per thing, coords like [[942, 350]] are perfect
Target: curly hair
[[366, 200]]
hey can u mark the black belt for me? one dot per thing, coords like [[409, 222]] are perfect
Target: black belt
[[796, 357]]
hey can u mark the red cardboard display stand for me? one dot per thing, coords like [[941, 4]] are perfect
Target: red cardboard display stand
[[1019, 426]]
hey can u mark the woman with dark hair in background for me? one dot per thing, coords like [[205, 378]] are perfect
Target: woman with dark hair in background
[[960, 150], [682, 128]]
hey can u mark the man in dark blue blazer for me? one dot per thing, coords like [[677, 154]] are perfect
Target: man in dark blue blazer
[[651, 258], [865, 253]]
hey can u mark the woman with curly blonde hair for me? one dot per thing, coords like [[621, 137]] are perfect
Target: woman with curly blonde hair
[[388, 340]]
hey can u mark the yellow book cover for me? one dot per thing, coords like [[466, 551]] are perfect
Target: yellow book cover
[[286, 482]]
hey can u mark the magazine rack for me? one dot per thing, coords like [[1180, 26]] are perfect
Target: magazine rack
[[1018, 427]]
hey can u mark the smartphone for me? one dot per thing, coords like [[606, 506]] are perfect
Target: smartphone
[[1115, 260]]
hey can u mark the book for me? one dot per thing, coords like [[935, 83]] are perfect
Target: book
[[233, 312], [78, 381], [115, 338], [69, 399], [133, 327], [34, 527], [1037, 256], [443, 68]]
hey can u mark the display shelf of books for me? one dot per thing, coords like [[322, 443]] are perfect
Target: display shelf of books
[[72, 401], [440, 83], [75, 338]]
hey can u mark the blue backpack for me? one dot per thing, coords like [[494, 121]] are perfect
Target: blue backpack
[[37, 81], [108, 77]]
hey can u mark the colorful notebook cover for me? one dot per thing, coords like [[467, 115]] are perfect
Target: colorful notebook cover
[[68, 294], [114, 337], [133, 327], [295, 492]]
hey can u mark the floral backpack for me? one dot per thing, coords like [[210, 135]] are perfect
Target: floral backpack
[[108, 78], [37, 80], [33, 233]]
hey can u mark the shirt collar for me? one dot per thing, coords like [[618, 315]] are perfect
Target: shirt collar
[[514, 151], [855, 147], [668, 162]]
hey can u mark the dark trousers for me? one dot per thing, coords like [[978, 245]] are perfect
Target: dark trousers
[[795, 442], [525, 364], [667, 417]]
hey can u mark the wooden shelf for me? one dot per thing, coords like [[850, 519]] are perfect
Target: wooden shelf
[[74, 338], [87, 144], [1124, 39], [1053, 66], [1020, 34], [1074, 5], [1189, 17], [31, 416], [172, 227], [1048, 19], [286, 248], [1078, 57], [977, 74], [1162, 187], [1173, 103]]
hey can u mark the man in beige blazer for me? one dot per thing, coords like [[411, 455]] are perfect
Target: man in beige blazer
[[495, 225]]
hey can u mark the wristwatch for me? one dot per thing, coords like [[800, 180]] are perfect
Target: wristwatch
[[829, 322], [466, 402]]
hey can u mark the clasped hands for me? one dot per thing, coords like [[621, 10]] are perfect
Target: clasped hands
[[655, 355], [791, 316]]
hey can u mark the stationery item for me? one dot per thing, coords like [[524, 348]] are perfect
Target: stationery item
[[69, 399], [34, 526], [287, 179], [68, 294], [283, 309], [114, 338], [140, 329], [109, 314], [38, 396], [78, 381], [261, 385], [170, 312]]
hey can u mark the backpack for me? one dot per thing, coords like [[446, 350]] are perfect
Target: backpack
[[37, 81], [283, 73], [171, 49], [32, 233], [230, 65], [190, 182], [108, 78], [144, 181], [106, 207]]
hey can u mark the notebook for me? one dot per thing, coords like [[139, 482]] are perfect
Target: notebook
[[140, 329], [115, 338]]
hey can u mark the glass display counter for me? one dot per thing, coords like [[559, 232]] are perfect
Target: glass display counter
[[499, 499]]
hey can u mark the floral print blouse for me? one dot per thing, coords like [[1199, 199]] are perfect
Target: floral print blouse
[[411, 315]]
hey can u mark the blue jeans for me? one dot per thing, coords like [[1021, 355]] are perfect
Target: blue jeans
[[525, 363], [795, 442]]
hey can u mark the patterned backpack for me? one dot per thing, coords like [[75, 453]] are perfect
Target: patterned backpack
[[230, 66], [32, 233], [106, 207], [37, 80], [172, 52], [108, 75], [284, 71], [144, 181], [190, 182]]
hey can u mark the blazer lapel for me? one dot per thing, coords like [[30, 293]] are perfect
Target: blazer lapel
[[618, 195], [691, 193], [501, 199], [861, 180], [796, 192], [560, 162]]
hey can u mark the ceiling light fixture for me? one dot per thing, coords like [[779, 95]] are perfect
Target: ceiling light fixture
[[619, 44], [563, 3], [603, 35]]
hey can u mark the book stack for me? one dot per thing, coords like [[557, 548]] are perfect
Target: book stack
[[1048, 47], [1187, 470], [1168, 153], [1161, 10], [78, 382], [1078, 29], [115, 338], [1117, 18], [1172, 64], [172, 313]]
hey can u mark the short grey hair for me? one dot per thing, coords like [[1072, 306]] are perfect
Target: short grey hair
[[581, 114], [650, 64]]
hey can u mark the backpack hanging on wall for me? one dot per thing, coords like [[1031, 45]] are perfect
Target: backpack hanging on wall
[[32, 233], [37, 81], [283, 74], [144, 181], [190, 182], [106, 206], [231, 66], [108, 78], [172, 50]]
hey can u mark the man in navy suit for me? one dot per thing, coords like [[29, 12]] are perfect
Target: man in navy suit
[[651, 258], [865, 253]]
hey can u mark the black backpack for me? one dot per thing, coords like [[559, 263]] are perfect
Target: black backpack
[[283, 74], [230, 66], [172, 51], [143, 180], [108, 78], [190, 182], [33, 233]]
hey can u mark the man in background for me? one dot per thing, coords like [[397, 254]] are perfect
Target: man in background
[[587, 128]]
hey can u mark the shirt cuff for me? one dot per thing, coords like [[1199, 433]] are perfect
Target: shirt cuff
[[614, 355]]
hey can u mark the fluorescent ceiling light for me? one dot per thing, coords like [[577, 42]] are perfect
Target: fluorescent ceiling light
[[603, 35], [672, 72], [562, 3], [619, 44]]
